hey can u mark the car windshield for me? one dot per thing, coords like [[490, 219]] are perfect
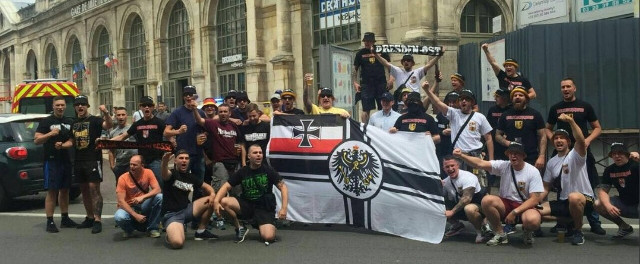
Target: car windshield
[[44, 105], [18, 131]]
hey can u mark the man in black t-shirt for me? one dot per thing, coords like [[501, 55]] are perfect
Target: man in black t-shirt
[[503, 104], [86, 129], [524, 125], [416, 120], [583, 113], [255, 132], [509, 78], [623, 175], [176, 208], [289, 98], [149, 129], [257, 200], [55, 133], [373, 80]]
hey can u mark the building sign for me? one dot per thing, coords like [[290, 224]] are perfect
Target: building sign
[[488, 76], [587, 10], [496, 24], [540, 10], [87, 6], [338, 12], [232, 58], [342, 85]]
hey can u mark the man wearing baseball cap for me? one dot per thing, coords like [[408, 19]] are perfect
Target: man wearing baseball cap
[[386, 118], [288, 100], [373, 80], [623, 175], [325, 97], [509, 77], [568, 170]]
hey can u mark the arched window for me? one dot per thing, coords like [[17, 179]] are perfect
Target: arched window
[[104, 50], [137, 50], [78, 66], [231, 21], [477, 16], [336, 22], [54, 70], [179, 40]]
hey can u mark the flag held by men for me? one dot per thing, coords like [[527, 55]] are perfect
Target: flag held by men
[[341, 171]]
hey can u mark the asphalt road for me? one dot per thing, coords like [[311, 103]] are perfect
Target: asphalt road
[[23, 240]]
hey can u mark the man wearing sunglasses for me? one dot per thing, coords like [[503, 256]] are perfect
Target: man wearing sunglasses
[[325, 99], [288, 98]]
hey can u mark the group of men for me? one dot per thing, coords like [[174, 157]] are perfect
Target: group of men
[[227, 141], [509, 142]]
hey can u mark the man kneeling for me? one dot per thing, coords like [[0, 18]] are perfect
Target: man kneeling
[[468, 196], [257, 200], [176, 208]]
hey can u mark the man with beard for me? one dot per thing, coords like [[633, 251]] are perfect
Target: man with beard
[[583, 113], [162, 111], [524, 125], [86, 130], [119, 158], [325, 96], [401, 75], [386, 118], [289, 98], [176, 208], [149, 129], [256, 132], [501, 97], [624, 176], [509, 78], [568, 167], [240, 112], [373, 80], [521, 189], [416, 120], [224, 135], [467, 128], [54, 132]]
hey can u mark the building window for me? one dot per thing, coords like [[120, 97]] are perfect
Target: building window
[[104, 50], [78, 66], [169, 95], [336, 22], [53, 62], [231, 28], [477, 16], [179, 40], [137, 50], [105, 97]]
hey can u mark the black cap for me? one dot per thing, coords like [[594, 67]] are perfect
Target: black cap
[[81, 99], [146, 100], [502, 92], [326, 91], [413, 97], [515, 147], [467, 94], [451, 96], [231, 93], [562, 132], [189, 90], [369, 36], [407, 57], [387, 96], [618, 147]]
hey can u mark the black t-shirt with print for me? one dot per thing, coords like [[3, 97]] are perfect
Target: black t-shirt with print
[[64, 125], [255, 183], [371, 70], [294, 111], [581, 111], [85, 132], [625, 179], [176, 191], [508, 82], [148, 131], [444, 147], [493, 115], [522, 126], [255, 134], [418, 122]]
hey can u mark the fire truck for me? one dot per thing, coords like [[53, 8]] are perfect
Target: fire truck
[[36, 96]]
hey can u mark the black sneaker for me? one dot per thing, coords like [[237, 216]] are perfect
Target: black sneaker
[[597, 229], [51, 227], [538, 233], [578, 238], [555, 228], [97, 227], [206, 235], [68, 223], [87, 223], [241, 233]]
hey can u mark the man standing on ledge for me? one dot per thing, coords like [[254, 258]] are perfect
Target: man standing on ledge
[[373, 80]]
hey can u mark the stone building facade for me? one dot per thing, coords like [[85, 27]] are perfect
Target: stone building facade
[[155, 47]]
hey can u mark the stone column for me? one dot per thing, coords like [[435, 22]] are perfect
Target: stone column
[[301, 23], [421, 20], [373, 18], [256, 63], [283, 62], [208, 61]]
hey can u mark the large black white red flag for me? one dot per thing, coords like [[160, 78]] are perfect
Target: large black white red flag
[[341, 171]]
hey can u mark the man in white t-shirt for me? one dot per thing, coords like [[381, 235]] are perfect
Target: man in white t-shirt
[[469, 141], [512, 204], [466, 198], [401, 75], [575, 196]]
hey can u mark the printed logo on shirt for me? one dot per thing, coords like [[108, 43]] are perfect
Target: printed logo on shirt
[[520, 117], [187, 187], [565, 168], [570, 110], [227, 133], [519, 124], [521, 186], [255, 136], [60, 127], [473, 126], [412, 127]]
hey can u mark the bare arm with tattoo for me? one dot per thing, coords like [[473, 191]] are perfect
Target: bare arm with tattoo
[[467, 195]]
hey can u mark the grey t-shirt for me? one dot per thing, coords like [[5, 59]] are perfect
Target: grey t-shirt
[[122, 155]]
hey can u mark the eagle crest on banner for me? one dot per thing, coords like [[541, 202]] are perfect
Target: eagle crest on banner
[[356, 170]]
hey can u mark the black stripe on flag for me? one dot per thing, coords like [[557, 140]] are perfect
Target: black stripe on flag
[[412, 194], [411, 168], [298, 166], [318, 120], [306, 179], [420, 183]]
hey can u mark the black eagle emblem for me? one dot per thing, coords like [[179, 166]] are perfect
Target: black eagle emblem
[[356, 169]]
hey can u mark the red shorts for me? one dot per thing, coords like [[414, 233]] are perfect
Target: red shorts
[[509, 205]]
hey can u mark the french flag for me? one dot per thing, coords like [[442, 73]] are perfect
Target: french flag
[[107, 61]]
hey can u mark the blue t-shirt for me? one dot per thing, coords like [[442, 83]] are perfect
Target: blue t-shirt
[[187, 141]]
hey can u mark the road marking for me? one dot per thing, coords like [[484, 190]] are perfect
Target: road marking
[[55, 215]]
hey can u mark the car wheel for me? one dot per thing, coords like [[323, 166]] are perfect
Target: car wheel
[[4, 200], [74, 192]]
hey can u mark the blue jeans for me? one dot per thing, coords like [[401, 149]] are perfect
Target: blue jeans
[[150, 208], [155, 167]]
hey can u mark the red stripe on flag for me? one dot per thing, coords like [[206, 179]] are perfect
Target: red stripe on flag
[[320, 146]]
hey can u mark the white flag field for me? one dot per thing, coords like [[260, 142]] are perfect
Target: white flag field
[[342, 172]]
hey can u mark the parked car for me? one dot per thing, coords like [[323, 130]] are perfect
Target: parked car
[[21, 160]]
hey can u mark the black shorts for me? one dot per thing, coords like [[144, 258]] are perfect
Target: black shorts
[[260, 216], [371, 95], [461, 215], [560, 208], [88, 171], [183, 216], [57, 174]]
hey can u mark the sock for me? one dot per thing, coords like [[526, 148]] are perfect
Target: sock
[[49, 219], [65, 215], [200, 231], [478, 232]]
